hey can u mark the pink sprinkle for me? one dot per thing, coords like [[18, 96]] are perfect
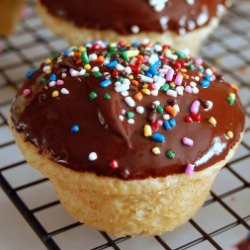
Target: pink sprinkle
[[188, 89], [189, 169], [26, 92], [187, 141], [195, 107], [114, 164], [160, 122], [170, 74], [59, 82], [123, 111], [178, 79], [198, 61]]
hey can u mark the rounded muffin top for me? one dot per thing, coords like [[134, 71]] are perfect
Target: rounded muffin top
[[129, 110], [128, 17]]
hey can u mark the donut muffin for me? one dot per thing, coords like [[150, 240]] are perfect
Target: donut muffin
[[182, 23], [10, 15], [131, 135]]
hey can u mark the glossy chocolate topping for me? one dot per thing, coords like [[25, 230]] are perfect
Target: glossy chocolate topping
[[129, 111], [126, 17]]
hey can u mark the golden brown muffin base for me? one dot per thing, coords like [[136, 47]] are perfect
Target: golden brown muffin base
[[77, 36], [10, 14], [134, 207]]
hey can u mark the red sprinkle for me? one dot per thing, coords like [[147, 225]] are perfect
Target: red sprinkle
[[155, 126], [196, 117], [114, 164], [188, 118]]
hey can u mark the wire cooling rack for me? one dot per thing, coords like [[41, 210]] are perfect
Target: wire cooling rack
[[225, 217]]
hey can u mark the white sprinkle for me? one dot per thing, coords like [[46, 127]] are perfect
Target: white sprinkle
[[158, 48], [179, 90], [140, 109], [106, 61], [157, 103], [209, 104], [74, 72], [135, 29], [145, 41], [203, 17], [128, 70], [166, 116], [122, 87], [64, 75], [197, 78], [176, 108], [154, 92], [121, 117], [209, 71], [52, 83], [64, 91], [124, 93], [131, 121], [95, 69], [82, 72], [47, 69], [153, 58], [171, 92], [190, 2], [164, 22], [191, 25], [195, 90], [92, 156], [192, 84], [119, 67], [130, 101], [145, 78], [93, 57]]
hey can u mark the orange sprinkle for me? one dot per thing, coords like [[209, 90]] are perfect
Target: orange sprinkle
[[234, 87], [100, 59], [138, 96], [170, 110], [79, 61], [135, 83], [77, 54]]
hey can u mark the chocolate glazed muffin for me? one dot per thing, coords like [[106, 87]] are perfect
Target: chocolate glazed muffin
[[131, 135], [182, 23]]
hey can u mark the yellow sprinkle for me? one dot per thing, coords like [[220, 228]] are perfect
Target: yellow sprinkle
[[156, 150], [212, 121], [55, 93], [172, 85], [145, 86], [81, 49], [130, 77], [112, 45], [87, 66], [147, 130], [132, 52], [230, 134], [232, 95], [183, 70], [48, 61], [145, 91]]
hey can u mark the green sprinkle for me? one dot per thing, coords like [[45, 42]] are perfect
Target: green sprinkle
[[159, 109], [170, 154], [84, 57], [124, 56], [42, 80], [120, 79], [97, 74], [107, 96], [180, 54], [92, 95], [191, 66], [165, 87], [55, 55], [230, 100], [130, 114]]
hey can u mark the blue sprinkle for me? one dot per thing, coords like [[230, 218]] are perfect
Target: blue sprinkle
[[167, 125], [135, 44], [153, 70], [172, 122], [201, 69], [158, 137], [52, 77], [112, 64], [66, 52], [205, 84], [148, 74], [105, 83], [208, 77], [75, 129], [30, 73], [157, 63]]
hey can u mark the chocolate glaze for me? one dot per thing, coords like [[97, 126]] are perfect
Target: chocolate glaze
[[121, 15], [46, 122]]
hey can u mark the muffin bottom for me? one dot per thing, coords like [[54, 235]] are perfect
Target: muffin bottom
[[76, 36], [125, 207], [10, 15]]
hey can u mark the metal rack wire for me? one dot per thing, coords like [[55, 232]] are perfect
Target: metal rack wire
[[229, 49]]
